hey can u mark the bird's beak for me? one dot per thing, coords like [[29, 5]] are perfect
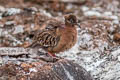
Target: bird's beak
[[77, 23]]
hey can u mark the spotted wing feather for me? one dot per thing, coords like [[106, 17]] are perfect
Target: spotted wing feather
[[45, 39]]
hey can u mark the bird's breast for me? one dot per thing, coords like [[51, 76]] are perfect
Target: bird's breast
[[68, 39]]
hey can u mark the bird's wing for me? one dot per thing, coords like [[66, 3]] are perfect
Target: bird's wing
[[45, 39], [47, 36]]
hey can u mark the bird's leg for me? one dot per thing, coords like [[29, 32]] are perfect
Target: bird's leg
[[54, 56], [49, 57], [51, 54]]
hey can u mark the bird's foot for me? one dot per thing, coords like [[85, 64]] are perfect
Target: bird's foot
[[47, 59], [53, 56]]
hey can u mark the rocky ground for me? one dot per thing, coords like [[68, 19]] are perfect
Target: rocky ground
[[97, 48]]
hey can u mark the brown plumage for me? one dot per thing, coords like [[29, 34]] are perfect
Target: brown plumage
[[57, 37]]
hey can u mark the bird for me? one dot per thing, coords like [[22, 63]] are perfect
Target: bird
[[55, 37]]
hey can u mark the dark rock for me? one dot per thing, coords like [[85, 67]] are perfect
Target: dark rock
[[60, 70]]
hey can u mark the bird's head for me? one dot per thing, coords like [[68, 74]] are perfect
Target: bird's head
[[71, 19]]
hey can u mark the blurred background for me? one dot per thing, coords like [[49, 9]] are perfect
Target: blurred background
[[97, 49]]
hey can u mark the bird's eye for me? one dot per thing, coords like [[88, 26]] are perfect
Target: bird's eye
[[71, 20]]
